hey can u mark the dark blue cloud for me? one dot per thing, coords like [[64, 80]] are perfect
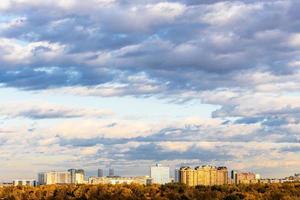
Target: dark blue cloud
[[51, 77], [193, 51], [294, 149], [158, 154], [81, 142]]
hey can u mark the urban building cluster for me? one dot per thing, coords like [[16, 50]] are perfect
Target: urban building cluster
[[294, 178], [144, 180], [192, 176]]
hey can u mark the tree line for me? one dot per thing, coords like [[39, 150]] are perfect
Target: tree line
[[285, 191]]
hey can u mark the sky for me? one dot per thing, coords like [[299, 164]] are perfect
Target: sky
[[127, 84]]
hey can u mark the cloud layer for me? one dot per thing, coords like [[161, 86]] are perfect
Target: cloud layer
[[172, 44]]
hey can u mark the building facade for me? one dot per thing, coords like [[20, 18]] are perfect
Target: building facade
[[23, 182], [176, 176], [72, 176], [160, 174], [100, 173], [144, 180], [203, 175], [244, 177], [111, 172], [54, 177]]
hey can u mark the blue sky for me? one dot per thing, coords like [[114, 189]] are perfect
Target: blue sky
[[126, 84]]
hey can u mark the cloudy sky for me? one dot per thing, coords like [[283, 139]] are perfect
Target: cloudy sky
[[128, 83]]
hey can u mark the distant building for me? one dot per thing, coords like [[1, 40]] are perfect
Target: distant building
[[204, 175], [5, 185], [257, 176], [270, 180], [79, 176], [100, 173], [24, 182], [222, 176], [111, 172], [144, 180], [54, 177], [72, 175], [233, 176], [295, 178], [176, 175], [186, 176], [160, 174], [244, 177]]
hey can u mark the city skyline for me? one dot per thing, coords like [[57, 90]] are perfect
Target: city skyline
[[160, 174], [126, 84], [207, 175]]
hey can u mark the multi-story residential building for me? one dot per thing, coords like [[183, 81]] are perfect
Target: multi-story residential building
[[23, 182], [186, 176], [72, 176], [100, 173], [204, 175], [145, 180], [244, 177], [54, 177], [79, 176], [222, 175], [160, 174]]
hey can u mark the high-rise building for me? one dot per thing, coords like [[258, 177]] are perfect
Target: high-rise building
[[160, 174], [204, 175], [79, 176], [186, 175], [176, 175], [76, 176], [72, 175], [100, 173], [53, 177], [222, 175], [111, 172], [234, 176]]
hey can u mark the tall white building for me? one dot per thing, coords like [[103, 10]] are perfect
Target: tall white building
[[77, 176], [48, 178], [160, 174], [73, 176]]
